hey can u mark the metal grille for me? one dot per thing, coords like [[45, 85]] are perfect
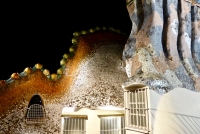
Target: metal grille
[[74, 126], [112, 125], [136, 108], [35, 114]]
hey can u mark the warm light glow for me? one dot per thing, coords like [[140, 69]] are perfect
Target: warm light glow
[[109, 107], [68, 109]]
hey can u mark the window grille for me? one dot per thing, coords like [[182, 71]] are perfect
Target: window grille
[[74, 126], [112, 125], [35, 114], [136, 108]]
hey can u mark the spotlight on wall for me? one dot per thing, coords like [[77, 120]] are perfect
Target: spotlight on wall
[[109, 107], [68, 109]]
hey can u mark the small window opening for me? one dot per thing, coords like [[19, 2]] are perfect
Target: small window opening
[[74, 125], [112, 125], [136, 108], [35, 112]]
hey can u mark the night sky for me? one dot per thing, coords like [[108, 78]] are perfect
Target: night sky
[[41, 32]]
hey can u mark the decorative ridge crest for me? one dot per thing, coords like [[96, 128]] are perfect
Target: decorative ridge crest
[[63, 61]]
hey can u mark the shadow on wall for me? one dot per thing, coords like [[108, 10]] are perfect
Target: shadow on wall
[[175, 114]]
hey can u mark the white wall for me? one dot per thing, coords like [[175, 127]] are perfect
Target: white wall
[[177, 112], [93, 121]]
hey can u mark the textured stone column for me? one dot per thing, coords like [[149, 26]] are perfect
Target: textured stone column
[[136, 13], [146, 61], [184, 41], [195, 46], [170, 38], [151, 53]]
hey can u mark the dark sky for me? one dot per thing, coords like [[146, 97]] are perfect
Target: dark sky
[[41, 32]]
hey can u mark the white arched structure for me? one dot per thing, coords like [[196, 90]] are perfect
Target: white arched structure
[[176, 112]]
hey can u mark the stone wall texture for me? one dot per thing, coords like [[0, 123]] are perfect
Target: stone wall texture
[[163, 48], [91, 78]]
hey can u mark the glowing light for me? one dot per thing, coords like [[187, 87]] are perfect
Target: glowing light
[[68, 109], [109, 107]]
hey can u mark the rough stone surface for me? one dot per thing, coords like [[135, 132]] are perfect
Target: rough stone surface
[[195, 46], [104, 74], [92, 78], [165, 49], [14, 121]]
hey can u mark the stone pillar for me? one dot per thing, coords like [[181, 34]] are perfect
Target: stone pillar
[[170, 38], [195, 46], [184, 41], [151, 53]]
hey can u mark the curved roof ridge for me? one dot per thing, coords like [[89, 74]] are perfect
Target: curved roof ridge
[[63, 61]]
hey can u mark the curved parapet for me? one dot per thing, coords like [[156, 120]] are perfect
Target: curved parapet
[[175, 113], [160, 53]]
